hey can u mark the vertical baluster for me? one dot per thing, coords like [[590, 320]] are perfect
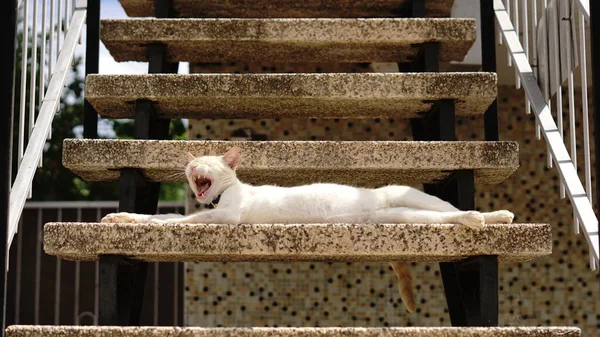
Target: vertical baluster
[[58, 272], [13, 98], [526, 46], [572, 126], [18, 274], [559, 114], [33, 67], [546, 70], [51, 44], [23, 102], [24, 78], [59, 31], [508, 2], [97, 278], [516, 21], [536, 64], [67, 14], [33, 74], [557, 70], [156, 292], [77, 280], [585, 106], [500, 38], [59, 28], [74, 6], [38, 268], [534, 21], [42, 85], [594, 38]]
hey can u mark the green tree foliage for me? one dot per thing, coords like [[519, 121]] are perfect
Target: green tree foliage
[[54, 182]]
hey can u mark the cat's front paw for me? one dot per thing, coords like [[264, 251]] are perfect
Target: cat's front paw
[[500, 217], [472, 219], [122, 217]]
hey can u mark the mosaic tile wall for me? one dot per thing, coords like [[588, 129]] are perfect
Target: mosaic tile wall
[[555, 290]]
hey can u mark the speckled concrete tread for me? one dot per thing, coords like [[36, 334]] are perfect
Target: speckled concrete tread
[[288, 40], [291, 163], [112, 331], [304, 242], [333, 95], [289, 8]]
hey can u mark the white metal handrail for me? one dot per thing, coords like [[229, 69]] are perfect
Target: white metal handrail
[[63, 43], [550, 71]]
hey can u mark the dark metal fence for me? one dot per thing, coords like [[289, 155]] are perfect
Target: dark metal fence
[[43, 289]]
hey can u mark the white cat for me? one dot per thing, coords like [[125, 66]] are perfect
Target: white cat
[[211, 176]]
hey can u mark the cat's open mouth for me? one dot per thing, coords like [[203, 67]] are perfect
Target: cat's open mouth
[[202, 185]]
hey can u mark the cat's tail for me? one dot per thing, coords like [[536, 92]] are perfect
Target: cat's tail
[[402, 270]]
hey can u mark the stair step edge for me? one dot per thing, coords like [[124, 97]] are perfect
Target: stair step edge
[[296, 242]]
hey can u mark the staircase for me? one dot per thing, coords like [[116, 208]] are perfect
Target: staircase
[[298, 31]]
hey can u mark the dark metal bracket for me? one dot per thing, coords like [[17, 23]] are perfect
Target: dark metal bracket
[[437, 124], [418, 8], [108, 310], [164, 9], [121, 290], [427, 59], [157, 60], [147, 124], [458, 189]]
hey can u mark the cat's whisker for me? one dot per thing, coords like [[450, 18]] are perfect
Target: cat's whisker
[[177, 173], [175, 176]]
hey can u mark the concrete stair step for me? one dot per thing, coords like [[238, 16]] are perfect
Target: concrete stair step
[[288, 40], [289, 8], [336, 95], [300, 242], [290, 163], [115, 331]]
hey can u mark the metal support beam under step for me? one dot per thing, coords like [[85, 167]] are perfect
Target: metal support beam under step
[[488, 63], [92, 63], [438, 124], [471, 285], [122, 281]]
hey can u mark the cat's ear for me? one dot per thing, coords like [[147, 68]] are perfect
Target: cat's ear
[[190, 157], [232, 157]]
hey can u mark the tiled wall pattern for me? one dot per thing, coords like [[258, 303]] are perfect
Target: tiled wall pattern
[[555, 290]]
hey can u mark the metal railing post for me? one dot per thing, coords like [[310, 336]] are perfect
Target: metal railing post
[[92, 49], [595, 54], [8, 8], [488, 63]]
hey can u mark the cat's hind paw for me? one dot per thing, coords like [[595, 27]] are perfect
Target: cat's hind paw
[[122, 217], [499, 217], [472, 219]]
